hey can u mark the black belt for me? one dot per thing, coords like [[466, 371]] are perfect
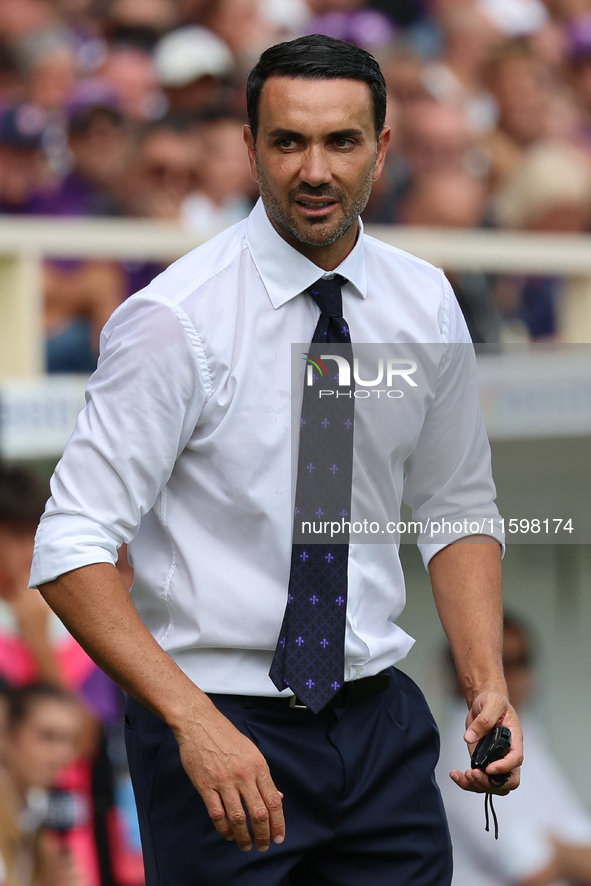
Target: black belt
[[351, 692]]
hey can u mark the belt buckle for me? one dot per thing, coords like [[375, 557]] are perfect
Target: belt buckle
[[293, 703]]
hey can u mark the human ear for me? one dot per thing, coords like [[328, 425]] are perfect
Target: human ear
[[383, 143], [250, 146]]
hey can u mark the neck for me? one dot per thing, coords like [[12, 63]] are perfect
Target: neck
[[328, 257]]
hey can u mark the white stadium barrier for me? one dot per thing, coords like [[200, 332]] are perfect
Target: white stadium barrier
[[37, 412]]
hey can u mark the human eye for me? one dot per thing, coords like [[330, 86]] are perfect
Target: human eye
[[286, 144], [343, 144]]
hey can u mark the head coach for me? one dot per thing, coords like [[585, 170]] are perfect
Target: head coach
[[264, 706]]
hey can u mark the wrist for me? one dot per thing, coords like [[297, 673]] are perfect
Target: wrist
[[498, 687], [182, 715]]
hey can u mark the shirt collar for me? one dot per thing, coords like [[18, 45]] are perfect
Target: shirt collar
[[285, 272]]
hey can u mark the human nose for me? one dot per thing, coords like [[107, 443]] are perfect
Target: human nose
[[315, 169]]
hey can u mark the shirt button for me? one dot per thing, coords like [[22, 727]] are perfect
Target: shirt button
[[358, 671]]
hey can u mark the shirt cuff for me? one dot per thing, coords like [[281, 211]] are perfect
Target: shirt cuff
[[461, 528], [65, 542]]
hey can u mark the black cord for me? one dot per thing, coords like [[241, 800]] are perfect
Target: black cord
[[497, 781], [488, 801]]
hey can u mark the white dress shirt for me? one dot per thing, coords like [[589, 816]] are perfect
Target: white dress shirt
[[183, 450]]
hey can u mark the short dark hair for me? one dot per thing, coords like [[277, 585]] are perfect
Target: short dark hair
[[22, 497], [23, 700], [316, 57]]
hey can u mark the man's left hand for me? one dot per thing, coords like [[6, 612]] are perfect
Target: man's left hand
[[489, 708]]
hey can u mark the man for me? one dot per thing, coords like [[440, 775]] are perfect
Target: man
[[22, 163], [184, 450], [545, 829]]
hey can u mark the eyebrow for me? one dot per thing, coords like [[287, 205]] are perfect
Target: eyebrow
[[290, 133]]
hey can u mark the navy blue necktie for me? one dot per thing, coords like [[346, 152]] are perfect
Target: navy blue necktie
[[310, 654]]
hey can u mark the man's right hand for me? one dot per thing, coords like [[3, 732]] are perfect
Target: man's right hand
[[233, 778], [226, 768]]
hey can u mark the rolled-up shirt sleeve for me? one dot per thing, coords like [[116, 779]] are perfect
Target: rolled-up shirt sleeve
[[142, 405], [448, 477]]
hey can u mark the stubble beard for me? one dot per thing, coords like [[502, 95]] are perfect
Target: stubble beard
[[316, 232]]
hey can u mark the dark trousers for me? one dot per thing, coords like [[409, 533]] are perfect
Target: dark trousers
[[361, 804]]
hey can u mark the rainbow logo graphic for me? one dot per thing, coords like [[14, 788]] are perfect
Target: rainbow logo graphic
[[315, 363]]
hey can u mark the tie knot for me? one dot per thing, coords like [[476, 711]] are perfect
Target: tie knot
[[326, 292]]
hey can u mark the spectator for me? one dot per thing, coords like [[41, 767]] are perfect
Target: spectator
[[433, 138], [50, 71], [42, 737], [444, 198], [403, 72], [223, 196], [20, 18], [49, 67], [544, 830], [165, 170], [519, 84], [139, 23], [132, 75], [469, 37], [549, 192], [23, 168], [437, 138], [11, 86], [242, 26], [80, 296], [100, 144], [192, 63], [287, 18], [515, 17], [34, 646], [457, 199], [26, 652]]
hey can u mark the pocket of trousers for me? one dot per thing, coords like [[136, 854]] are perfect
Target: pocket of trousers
[[147, 735]]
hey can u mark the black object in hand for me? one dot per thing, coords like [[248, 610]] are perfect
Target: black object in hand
[[494, 746]]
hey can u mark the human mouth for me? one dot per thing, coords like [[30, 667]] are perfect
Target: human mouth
[[312, 208]]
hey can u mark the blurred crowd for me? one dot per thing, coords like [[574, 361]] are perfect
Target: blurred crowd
[[544, 828], [134, 108], [67, 814]]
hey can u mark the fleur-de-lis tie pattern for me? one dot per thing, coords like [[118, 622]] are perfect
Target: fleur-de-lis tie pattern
[[310, 654]]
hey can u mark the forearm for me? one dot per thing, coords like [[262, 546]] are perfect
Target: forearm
[[97, 609], [574, 862], [225, 766], [466, 581], [570, 863]]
